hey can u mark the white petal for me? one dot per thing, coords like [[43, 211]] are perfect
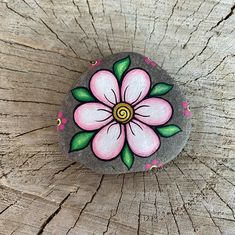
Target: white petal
[[104, 87], [135, 86], [108, 142], [153, 111], [92, 116], [142, 140]]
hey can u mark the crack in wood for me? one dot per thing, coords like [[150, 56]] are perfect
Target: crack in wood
[[79, 11], [117, 207], [224, 18], [48, 220], [31, 131], [97, 45], [86, 204], [197, 27], [40, 7], [89, 10], [167, 23], [16, 12], [30, 102], [53, 32], [139, 215], [42, 62], [40, 49]]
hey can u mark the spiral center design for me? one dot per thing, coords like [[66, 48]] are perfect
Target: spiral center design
[[123, 112]]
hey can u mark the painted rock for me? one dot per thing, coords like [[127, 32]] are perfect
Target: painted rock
[[125, 114]]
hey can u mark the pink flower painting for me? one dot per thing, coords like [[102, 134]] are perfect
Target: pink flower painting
[[61, 121], [155, 164], [119, 112], [95, 64], [186, 111]]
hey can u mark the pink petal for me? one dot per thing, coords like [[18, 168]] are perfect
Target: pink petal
[[148, 166], [109, 141], [153, 111], [61, 127], [64, 120], [187, 113], [154, 162], [92, 116], [142, 140], [147, 60], [135, 86], [184, 104], [104, 87], [60, 114], [153, 64]]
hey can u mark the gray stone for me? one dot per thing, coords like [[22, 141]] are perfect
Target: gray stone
[[139, 140]]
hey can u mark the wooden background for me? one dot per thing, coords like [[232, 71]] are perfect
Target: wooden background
[[45, 45]]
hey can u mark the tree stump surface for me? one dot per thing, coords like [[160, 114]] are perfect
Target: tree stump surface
[[45, 45]]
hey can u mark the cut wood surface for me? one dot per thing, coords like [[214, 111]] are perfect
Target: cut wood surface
[[45, 45]]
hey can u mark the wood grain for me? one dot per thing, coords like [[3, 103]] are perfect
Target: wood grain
[[45, 45]]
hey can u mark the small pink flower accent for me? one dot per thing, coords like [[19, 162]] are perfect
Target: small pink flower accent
[[96, 63], [61, 121], [186, 112], [149, 61], [155, 164]]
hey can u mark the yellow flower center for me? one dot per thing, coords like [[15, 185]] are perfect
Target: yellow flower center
[[123, 112], [58, 122]]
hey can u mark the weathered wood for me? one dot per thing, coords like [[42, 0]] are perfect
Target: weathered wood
[[44, 47]]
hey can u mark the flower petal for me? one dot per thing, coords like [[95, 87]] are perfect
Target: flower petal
[[60, 114], [61, 127], [147, 166], [153, 111], [135, 86], [185, 104], [64, 120], [142, 140], [154, 162], [187, 113], [104, 87], [92, 116], [109, 141]]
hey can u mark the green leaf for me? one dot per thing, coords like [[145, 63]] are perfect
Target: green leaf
[[80, 140], [127, 156], [82, 94], [169, 130], [120, 67], [160, 89]]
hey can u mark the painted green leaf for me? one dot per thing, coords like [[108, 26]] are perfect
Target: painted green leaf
[[82, 94], [160, 89], [120, 67], [169, 130], [80, 140], [127, 156]]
